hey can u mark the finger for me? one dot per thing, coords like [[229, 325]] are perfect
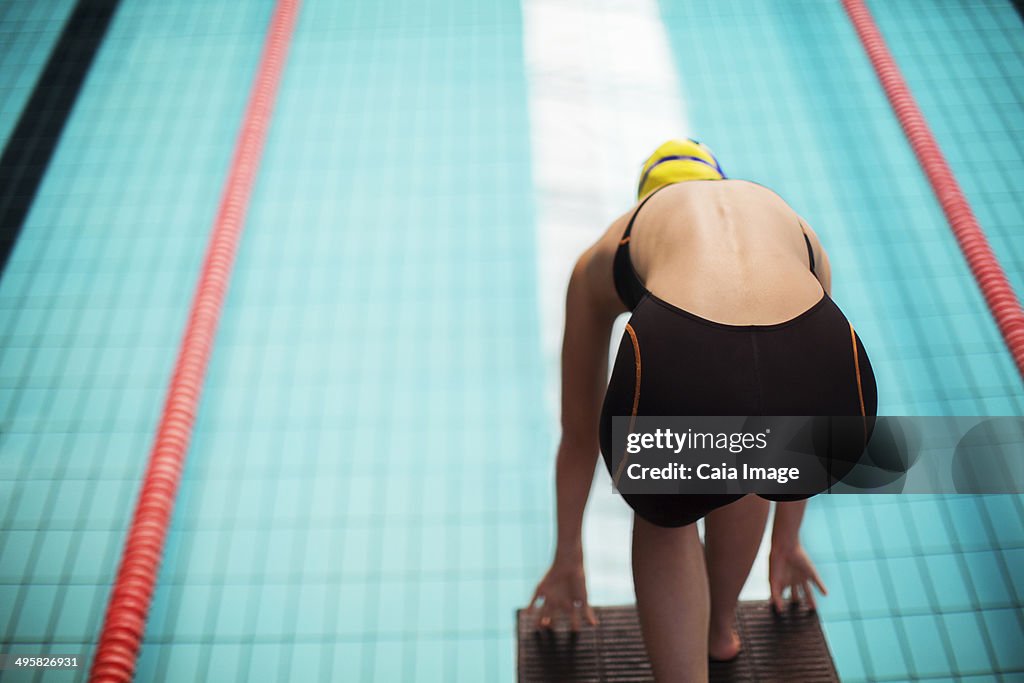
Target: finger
[[574, 618], [776, 597], [552, 612], [818, 582], [809, 595], [591, 616], [798, 594], [544, 618]]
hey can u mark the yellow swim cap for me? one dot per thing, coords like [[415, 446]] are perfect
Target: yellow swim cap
[[676, 161]]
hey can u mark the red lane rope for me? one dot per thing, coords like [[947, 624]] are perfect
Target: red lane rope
[[125, 621], [999, 294]]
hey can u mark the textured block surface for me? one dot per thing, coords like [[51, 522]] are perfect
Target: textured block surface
[[790, 647]]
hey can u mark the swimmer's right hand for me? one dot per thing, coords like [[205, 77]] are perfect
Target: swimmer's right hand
[[789, 568], [561, 593]]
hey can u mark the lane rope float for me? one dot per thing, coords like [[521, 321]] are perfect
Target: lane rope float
[[991, 278], [125, 620]]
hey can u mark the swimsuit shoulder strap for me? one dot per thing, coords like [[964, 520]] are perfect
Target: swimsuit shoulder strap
[[627, 282], [807, 241]]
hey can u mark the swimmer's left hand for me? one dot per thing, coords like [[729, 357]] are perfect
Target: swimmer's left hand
[[791, 568], [562, 592]]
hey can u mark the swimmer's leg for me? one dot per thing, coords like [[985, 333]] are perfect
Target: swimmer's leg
[[732, 536], [671, 587]]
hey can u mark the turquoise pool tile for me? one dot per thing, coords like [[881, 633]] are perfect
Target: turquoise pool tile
[[204, 555], [430, 659], [431, 614], [857, 538], [346, 664], [971, 653], [844, 643], [476, 608], [8, 598], [391, 659], [471, 662], [223, 663], [58, 676], [908, 585], [313, 613], [146, 664], [1007, 636], [884, 649], [15, 554], [1015, 563], [94, 560], [67, 504], [307, 662], [187, 615], [274, 609], [817, 532], [349, 610], [441, 539], [869, 595], [474, 549], [1006, 511], [840, 602], [927, 649], [396, 549], [52, 548], [893, 535], [322, 550], [78, 604], [265, 661], [36, 603], [393, 601], [986, 572], [932, 534], [968, 524], [950, 583], [32, 504], [234, 601]]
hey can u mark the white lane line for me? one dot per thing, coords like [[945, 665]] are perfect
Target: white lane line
[[603, 93]]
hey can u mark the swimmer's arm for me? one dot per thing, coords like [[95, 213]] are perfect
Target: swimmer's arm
[[789, 567], [786, 528], [590, 309], [822, 267]]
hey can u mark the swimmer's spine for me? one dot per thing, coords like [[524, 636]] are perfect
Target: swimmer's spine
[[991, 278], [125, 621]]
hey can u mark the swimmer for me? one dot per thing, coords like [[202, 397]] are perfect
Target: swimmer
[[728, 291]]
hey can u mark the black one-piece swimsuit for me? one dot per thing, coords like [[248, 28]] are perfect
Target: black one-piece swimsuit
[[813, 364]]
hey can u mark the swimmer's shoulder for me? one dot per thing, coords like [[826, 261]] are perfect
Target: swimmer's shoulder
[[594, 268]]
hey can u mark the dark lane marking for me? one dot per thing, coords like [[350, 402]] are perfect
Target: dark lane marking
[[34, 138]]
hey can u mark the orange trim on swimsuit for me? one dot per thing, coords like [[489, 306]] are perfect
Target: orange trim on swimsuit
[[636, 396], [860, 388], [856, 366]]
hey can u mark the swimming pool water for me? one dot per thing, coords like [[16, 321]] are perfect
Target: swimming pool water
[[368, 494]]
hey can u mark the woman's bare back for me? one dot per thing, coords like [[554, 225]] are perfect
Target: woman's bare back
[[728, 250]]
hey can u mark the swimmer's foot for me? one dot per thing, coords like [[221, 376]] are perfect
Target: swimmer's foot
[[724, 648]]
